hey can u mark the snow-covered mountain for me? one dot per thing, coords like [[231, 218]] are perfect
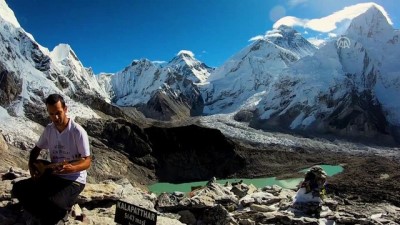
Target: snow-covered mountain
[[253, 69], [186, 64], [104, 80], [282, 79], [162, 91], [29, 72], [351, 91]]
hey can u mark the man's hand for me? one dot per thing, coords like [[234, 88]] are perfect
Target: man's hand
[[33, 171], [73, 166], [64, 168]]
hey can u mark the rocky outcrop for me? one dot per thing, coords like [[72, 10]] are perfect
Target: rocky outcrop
[[211, 204], [162, 106], [98, 103], [175, 154], [192, 153], [120, 135], [10, 86], [3, 144]]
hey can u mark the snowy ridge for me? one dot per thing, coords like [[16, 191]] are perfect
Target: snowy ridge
[[104, 80], [80, 78], [333, 88], [186, 64], [138, 82], [7, 14], [288, 38], [321, 90], [253, 69], [337, 22], [29, 74]]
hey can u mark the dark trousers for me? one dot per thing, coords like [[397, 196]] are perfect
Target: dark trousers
[[47, 198]]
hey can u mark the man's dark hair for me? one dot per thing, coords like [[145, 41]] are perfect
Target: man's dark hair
[[54, 98]]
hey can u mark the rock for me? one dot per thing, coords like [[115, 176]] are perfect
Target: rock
[[187, 217], [239, 191], [5, 190], [167, 201], [261, 198], [217, 215], [14, 174], [274, 189], [76, 210], [262, 208], [161, 220], [332, 204], [3, 144], [247, 222], [120, 190]]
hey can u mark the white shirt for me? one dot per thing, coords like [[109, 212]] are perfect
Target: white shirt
[[71, 144]]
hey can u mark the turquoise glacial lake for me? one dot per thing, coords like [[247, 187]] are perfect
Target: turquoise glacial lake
[[158, 188]]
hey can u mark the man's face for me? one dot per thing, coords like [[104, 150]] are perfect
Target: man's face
[[57, 113]]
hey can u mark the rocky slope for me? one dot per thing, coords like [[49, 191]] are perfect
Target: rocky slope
[[210, 204]]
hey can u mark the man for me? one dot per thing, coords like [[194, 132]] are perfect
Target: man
[[49, 196]]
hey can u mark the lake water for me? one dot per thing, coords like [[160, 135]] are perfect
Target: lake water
[[258, 182]]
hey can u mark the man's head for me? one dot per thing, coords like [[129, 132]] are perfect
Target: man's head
[[57, 110]]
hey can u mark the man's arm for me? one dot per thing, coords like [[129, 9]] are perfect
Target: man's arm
[[32, 157], [73, 167]]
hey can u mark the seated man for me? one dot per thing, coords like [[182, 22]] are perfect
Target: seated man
[[48, 196]]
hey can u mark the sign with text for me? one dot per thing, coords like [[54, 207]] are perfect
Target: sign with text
[[128, 214]]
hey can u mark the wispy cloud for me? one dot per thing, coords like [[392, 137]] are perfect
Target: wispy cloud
[[159, 62], [293, 3], [256, 38]]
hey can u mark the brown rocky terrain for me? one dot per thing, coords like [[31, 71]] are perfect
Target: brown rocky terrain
[[189, 153]]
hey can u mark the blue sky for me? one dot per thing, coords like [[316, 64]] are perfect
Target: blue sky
[[108, 34]]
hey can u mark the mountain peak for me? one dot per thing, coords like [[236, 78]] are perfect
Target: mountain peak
[[7, 14], [63, 51], [373, 23], [286, 37], [286, 28], [185, 53], [185, 57], [374, 8]]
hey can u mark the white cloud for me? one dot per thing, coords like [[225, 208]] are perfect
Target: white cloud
[[293, 3], [187, 52], [256, 38], [159, 62], [291, 21], [332, 22], [317, 42], [332, 35]]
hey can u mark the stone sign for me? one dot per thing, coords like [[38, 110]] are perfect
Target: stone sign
[[128, 214]]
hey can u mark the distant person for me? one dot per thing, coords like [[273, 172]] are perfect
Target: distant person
[[53, 189]]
